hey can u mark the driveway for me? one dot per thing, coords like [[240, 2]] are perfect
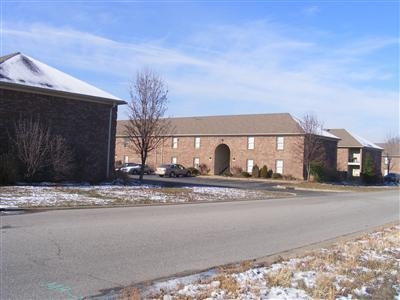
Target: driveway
[[67, 254]]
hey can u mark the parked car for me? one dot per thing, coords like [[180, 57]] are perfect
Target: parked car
[[147, 169], [392, 177], [124, 166], [172, 170], [134, 169]]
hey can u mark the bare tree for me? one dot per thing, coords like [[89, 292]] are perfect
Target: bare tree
[[392, 148], [147, 128], [39, 151], [312, 141], [61, 158], [31, 142]]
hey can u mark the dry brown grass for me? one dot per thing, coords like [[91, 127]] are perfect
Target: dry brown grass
[[324, 287], [236, 268], [228, 284], [129, 293], [281, 277]]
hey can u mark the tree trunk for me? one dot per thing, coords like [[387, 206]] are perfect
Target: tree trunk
[[143, 159], [388, 164], [308, 172]]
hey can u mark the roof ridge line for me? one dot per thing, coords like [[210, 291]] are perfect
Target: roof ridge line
[[8, 56]]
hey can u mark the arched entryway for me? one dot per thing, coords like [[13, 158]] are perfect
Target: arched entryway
[[222, 159]]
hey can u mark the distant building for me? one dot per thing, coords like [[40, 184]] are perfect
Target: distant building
[[390, 158], [79, 112], [353, 151], [225, 142]]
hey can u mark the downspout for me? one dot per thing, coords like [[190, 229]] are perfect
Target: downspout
[[109, 141]]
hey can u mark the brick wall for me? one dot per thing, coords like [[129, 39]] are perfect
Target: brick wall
[[342, 159], [264, 153], [85, 126]]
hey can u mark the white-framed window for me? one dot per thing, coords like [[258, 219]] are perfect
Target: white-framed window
[[196, 142], [250, 142], [196, 162], [279, 166], [280, 142], [175, 142], [126, 142], [250, 164], [126, 159], [356, 173], [174, 160], [386, 160]]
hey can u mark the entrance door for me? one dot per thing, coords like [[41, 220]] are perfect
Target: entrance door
[[222, 159]]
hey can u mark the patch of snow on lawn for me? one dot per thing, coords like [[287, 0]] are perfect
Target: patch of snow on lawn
[[286, 293], [45, 194]]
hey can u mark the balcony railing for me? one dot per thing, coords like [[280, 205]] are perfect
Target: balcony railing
[[354, 160]]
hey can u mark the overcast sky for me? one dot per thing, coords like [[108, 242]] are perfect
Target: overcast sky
[[336, 59]]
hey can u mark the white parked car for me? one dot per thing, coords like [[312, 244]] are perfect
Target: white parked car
[[134, 169], [172, 170], [124, 166]]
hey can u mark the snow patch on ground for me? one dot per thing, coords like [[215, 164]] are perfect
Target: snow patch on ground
[[47, 195]]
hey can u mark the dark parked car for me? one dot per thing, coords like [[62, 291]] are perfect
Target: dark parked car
[[172, 170], [392, 177]]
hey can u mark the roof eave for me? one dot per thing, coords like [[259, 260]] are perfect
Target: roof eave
[[226, 134], [361, 147], [63, 94]]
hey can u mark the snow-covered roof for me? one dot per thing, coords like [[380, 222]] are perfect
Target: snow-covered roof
[[350, 140], [21, 70], [365, 143], [322, 132]]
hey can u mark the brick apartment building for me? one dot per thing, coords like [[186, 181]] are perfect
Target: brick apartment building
[[353, 151], [390, 153], [223, 142], [82, 114]]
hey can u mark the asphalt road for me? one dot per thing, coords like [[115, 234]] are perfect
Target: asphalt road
[[72, 253]]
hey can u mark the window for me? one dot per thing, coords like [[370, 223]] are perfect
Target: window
[[356, 173], [250, 164], [175, 142], [280, 142], [196, 162], [174, 160], [386, 160], [279, 166], [126, 159], [126, 142], [250, 142], [197, 142]]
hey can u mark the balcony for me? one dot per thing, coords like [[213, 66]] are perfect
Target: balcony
[[354, 161]]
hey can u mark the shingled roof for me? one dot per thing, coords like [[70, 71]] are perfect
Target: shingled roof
[[256, 124], [350, 140], [19, 71], [391, 149]]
